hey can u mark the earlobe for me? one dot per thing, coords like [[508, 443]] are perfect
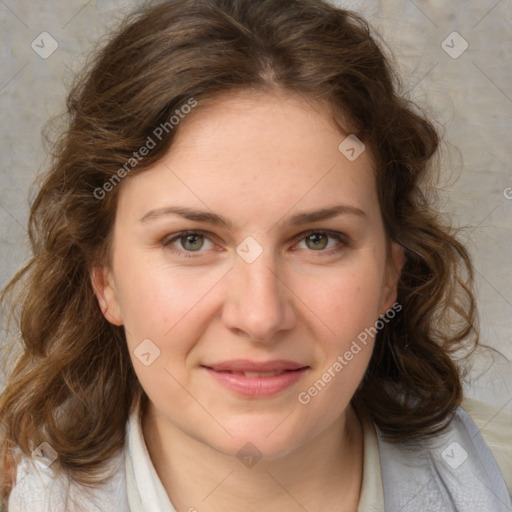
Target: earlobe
[[106, 294]]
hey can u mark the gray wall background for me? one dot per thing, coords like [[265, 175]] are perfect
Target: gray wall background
[[470, 95]]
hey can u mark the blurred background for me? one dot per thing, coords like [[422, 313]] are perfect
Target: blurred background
[[455, 61]]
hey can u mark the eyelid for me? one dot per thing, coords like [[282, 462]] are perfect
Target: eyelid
[[333, 234]]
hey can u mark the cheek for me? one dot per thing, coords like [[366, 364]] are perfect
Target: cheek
[[348, 301], [349, 307], [166, 304]]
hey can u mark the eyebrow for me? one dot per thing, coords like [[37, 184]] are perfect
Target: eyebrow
[[219, 220]]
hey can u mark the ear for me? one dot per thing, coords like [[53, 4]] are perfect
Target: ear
[[395, 263], [105, 290]]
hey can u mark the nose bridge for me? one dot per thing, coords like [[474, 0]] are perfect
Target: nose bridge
[[261, 279], [258, 302]]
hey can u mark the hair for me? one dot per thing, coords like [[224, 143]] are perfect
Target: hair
[[73, 384]]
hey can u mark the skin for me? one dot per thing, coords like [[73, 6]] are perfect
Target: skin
[[257, 160]]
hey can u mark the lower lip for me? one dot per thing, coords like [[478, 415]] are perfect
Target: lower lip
[[257, 387]]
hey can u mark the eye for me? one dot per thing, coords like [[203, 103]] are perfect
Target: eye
[[319, 241], [188, 242]]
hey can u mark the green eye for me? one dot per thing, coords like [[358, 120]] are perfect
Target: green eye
[[324, 242], [186, 243], [189, 242], [193, 242], [317, 241]]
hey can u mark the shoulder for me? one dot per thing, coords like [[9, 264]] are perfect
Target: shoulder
[[467, 462], [495, 425], [42, 489]]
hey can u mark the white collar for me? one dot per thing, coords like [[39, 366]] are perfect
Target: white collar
[[144, 488]]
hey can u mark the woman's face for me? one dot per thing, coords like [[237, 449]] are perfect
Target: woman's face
[[284, 269]]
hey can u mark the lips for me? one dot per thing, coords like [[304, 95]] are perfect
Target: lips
[[252, 375], [255, 368], [252, 379]]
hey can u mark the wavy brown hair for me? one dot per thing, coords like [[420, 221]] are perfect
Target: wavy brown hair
[[73, 384]]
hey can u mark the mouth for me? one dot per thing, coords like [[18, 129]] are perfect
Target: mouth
[[253, 375], [256, 380]]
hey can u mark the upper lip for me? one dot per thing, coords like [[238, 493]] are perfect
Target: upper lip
[[244, 365]]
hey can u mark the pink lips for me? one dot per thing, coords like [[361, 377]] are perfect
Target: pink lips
[[240, 376]]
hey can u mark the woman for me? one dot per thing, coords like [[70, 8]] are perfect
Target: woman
[[240, 297]]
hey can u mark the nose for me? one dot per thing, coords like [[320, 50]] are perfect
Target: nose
[[258, 304]]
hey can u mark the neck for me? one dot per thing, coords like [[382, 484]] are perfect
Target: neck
[[325, 473]]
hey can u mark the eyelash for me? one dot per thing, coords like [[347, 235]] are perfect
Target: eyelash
[[342, 239]]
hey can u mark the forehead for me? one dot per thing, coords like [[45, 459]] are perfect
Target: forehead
[[253, 149], [280, 119]]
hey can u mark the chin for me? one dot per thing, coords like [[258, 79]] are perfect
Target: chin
[[267, 438]]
